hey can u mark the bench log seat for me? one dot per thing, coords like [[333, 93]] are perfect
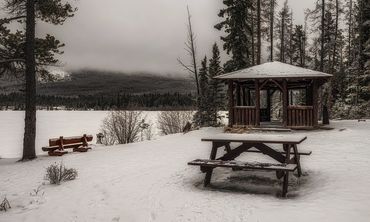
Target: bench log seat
[[206, 165], [57, 146]]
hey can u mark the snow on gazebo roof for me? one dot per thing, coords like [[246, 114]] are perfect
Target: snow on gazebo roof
[[274, 70]]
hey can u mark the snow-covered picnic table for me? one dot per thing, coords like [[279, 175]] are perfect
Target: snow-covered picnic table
[[288, 159]]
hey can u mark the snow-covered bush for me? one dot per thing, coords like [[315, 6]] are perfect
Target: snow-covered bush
[[121, 127], [57, 173], [171, 122], [341, 110], [146, 130]]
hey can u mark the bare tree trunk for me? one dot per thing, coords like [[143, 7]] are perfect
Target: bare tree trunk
[[350, 28], [193, 51], [258, 32], [291, 39], [335, 35], [322, 35], [29, 152], [253, 43], [272, 16], [282, 46]]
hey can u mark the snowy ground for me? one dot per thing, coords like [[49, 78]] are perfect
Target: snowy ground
[[51, 124], [150, 181]]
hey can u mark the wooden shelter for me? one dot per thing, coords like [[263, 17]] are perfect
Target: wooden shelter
[[250, 94]]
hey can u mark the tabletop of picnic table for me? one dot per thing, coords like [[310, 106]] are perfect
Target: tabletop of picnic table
[[256, 138]]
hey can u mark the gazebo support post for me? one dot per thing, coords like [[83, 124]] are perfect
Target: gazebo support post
[[315, 102], [238, 101], [285, 102], [231, 102], [258, 101], [269, 104], [244, 101]]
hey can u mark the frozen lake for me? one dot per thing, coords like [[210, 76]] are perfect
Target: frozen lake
[[51, 124]]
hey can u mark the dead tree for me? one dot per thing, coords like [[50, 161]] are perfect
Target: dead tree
[[190, 47]]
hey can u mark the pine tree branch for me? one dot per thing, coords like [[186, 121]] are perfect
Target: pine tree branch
[[11, 60], [8, 20]]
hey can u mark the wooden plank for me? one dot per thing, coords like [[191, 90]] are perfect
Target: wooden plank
[[303, 153], [270, 152], [243, 165], [69, 140], [234, 153], [69, 146], [256, 138]]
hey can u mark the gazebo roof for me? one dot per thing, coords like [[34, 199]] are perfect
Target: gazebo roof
[[274, 70]]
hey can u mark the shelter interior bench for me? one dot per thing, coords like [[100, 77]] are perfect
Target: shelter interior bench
[[57, 146], [289, 159]]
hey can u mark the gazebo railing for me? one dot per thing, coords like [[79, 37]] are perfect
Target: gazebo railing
[[300, 116], [244, 115]]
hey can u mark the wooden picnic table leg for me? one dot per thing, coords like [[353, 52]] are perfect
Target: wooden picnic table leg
[[285, 184], [209, 171], [297, 159], [287, 148]]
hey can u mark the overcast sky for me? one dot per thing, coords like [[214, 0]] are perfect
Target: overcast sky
[[140, 35]]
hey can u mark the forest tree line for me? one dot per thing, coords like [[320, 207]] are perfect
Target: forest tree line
[[335, 39], [151, 101]]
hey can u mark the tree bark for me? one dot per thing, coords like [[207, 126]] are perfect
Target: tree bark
[[282, 46], [335, 35], [258, 32], [193, 51], [29, 152], [272, 16], [322, 35], [253, 35]]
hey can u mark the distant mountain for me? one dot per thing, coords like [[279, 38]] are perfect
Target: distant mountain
[[92, 82]]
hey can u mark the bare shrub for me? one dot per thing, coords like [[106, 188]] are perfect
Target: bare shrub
[[5, 205], [57, 173], [121, 127], [37, 191], [170, 122]]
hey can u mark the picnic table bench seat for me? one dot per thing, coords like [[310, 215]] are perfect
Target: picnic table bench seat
[[57, 146], [244, 165]]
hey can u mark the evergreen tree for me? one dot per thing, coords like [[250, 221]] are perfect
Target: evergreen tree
[[32, 55], [202, 116], [270, 17], [298, 49], [283, 26], [216, 96], [237, 25], [364, 41]]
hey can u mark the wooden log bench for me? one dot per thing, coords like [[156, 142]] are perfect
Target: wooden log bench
[[57, 146], [206, 164]]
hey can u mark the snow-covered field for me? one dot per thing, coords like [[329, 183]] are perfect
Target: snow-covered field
[[150, 181], [51, 124]]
